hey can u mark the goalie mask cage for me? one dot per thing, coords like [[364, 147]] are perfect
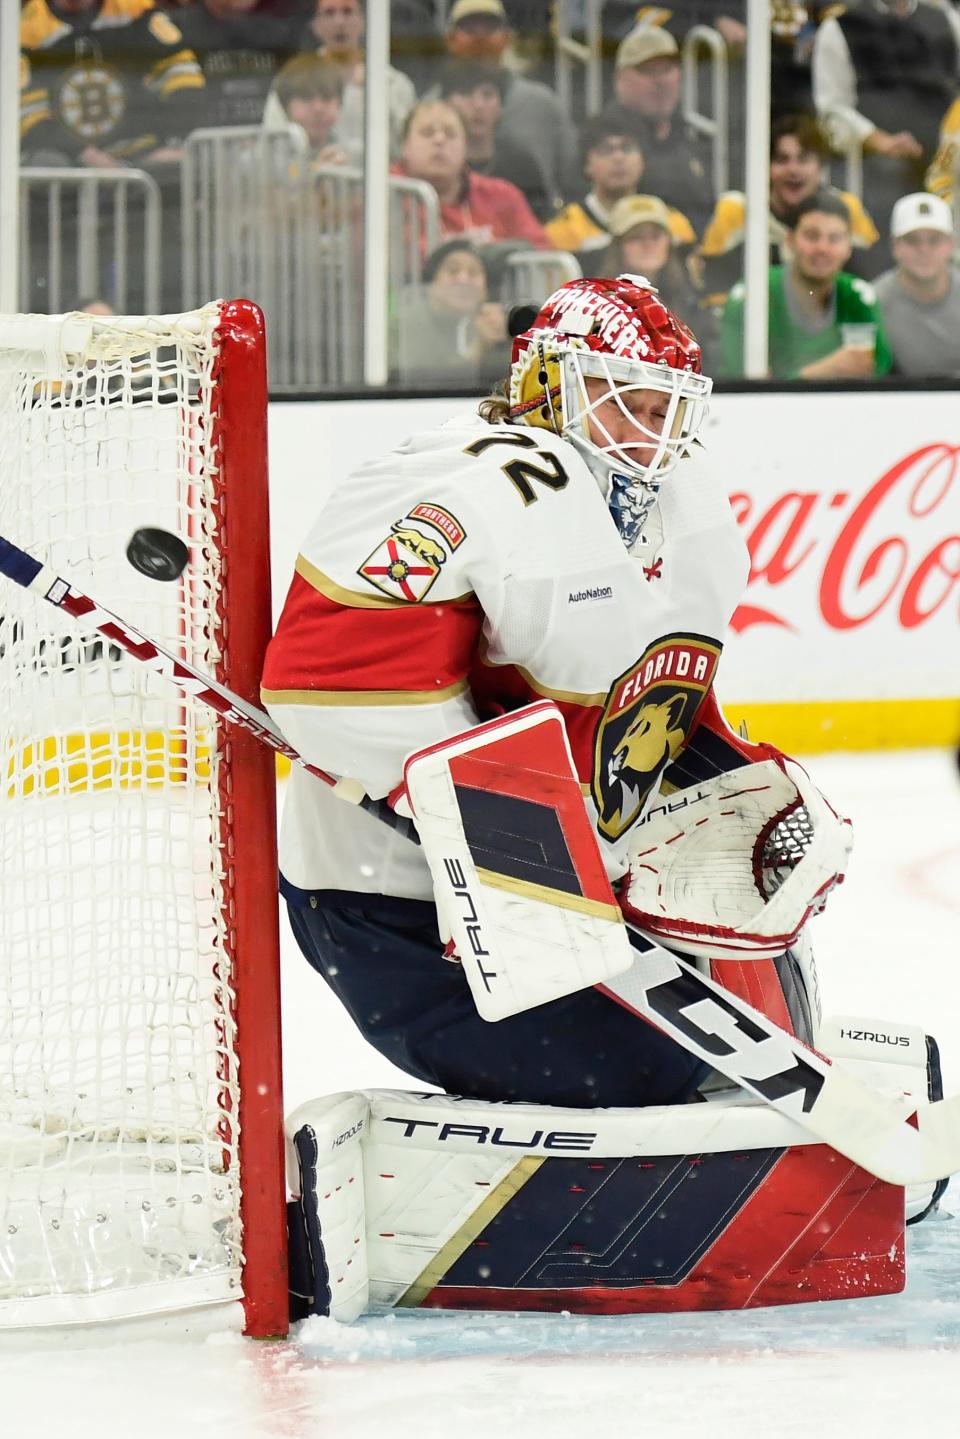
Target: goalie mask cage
[[141, 1149]]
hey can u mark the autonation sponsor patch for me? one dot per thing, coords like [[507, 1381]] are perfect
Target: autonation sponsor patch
[[591, 594]]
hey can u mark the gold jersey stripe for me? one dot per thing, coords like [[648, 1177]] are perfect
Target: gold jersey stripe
[[572, 697], [363, 698], [546, 895], [458, 1243], [355, 599]]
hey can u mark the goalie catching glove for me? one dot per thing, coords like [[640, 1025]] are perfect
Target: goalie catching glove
[[737, 865]]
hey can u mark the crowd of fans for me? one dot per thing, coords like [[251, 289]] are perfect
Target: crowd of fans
[[859, 284]]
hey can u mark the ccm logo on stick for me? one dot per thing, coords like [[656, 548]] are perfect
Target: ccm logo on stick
[[764, 1062]]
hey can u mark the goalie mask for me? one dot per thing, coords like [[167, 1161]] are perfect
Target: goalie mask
[[620, 336]]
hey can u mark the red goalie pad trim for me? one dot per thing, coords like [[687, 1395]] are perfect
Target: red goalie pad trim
[[811, 1226], [756, 981]]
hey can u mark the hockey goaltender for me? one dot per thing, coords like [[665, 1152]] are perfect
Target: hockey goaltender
[[597, 958]]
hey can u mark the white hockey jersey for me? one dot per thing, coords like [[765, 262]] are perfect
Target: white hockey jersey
[[471, 570]]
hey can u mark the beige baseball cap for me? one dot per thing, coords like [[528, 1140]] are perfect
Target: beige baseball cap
[[920, 212], [646, 42], [634, 210], [461, 9]]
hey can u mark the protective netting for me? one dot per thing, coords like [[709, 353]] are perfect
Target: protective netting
[[119, 1184]]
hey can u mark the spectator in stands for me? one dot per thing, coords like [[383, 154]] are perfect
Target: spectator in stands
[[824, 324], [485, 209], [475, 89], [614, 166], [941, 177], [799, 153], [449, 331], [792, 28], [310, 89], [920, 298], [337, 30], [642, 243], [532, 113], [647, 89], [884, 74], [124, 92], [241, 45]]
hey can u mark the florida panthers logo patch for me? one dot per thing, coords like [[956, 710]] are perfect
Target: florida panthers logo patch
[[646, 721], [404, 566]]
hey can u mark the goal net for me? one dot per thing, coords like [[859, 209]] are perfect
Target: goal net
[[140, 1108]]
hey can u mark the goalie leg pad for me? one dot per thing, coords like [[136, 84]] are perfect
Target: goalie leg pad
[[327, 1240], [784, 988], [470, 1205]]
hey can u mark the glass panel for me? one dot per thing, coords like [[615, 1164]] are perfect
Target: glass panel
[[201, 150]]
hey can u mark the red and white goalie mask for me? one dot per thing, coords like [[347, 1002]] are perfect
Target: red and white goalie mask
[[608, 367]]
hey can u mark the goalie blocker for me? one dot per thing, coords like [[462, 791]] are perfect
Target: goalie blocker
[[428, 1201]]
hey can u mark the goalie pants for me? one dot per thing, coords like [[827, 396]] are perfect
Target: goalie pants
[[383, 958]]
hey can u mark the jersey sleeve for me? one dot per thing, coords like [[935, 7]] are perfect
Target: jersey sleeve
[[378, 633]]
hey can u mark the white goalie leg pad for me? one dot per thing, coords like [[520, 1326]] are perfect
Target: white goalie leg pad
[[325, 1181], [517, 871], [699, 867], [894, 1058], [440, 1171]]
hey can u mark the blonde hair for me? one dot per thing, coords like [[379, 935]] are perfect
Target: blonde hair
[[495, 407]]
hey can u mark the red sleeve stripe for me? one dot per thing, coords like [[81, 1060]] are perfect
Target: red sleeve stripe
[[329, 653]]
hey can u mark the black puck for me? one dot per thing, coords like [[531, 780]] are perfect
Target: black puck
[[157, 554]]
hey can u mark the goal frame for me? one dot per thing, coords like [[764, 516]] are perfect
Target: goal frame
[[249, 828], [238, 1037]]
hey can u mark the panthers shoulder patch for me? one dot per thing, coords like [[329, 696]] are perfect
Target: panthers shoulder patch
[[406, 563]]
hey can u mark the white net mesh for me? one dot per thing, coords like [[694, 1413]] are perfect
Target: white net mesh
[[118, 1176]]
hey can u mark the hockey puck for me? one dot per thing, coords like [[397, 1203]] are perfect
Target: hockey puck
[[157, 554]]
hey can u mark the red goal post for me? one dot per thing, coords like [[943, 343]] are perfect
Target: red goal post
[[141, 1137]]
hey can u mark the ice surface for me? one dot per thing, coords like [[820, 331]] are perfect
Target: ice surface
[[887, 947]]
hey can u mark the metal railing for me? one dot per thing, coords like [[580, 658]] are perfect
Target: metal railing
[[587, 52], [235, 227], [260, 219], [89, 234], [531, 275], [716, 126]]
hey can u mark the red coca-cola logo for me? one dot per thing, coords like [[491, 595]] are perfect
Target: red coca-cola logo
[[881, 557]]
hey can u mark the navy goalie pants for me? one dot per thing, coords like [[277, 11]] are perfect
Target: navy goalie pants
[[383, 958]]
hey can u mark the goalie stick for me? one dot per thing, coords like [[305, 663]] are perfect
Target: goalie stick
[[900, 1140], [42, 580]]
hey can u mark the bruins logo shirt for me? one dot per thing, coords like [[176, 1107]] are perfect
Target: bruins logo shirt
[[470, 571], [119, 77]]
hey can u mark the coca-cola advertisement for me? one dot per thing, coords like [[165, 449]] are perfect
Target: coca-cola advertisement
[[850, 508]]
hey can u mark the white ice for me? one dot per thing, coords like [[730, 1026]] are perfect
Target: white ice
[[888, 946]]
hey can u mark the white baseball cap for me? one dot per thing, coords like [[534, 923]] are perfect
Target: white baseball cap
[[920, 212], [646, 42]]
